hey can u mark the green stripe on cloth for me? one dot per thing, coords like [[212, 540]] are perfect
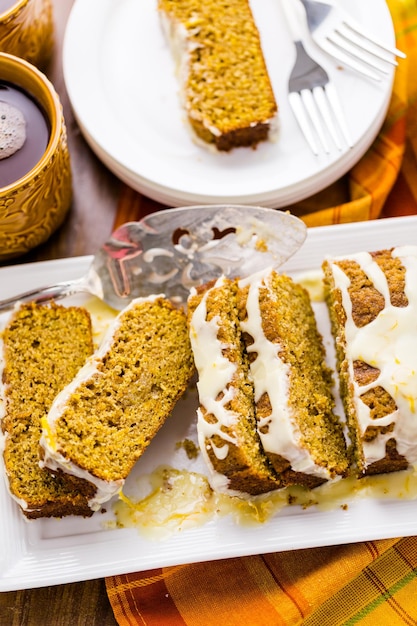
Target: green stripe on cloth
[[384, 593]]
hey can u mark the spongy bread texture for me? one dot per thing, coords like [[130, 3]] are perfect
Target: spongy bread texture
[[225, 86], [112, 415], [43, 348]]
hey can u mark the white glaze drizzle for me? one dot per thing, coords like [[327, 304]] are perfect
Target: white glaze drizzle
[[215, 373], [388, 343], [278, 431]]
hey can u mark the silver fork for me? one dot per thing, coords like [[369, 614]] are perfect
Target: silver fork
[[338, 34], [313, 97]]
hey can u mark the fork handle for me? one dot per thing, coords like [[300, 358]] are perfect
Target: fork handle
[[294, 18], [316, 12]]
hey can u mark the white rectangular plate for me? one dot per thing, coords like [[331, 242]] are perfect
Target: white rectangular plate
[[43, 552]]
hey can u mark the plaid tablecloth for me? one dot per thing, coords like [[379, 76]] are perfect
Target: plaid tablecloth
[[373, 582]]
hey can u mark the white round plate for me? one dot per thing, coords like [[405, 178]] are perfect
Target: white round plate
[[120, 79]]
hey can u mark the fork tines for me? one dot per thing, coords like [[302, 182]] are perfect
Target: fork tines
[[338, 34], [319, 114], [349, 44], [363, 39]]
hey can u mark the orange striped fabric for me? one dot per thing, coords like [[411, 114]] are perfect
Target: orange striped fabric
[[367, 583]]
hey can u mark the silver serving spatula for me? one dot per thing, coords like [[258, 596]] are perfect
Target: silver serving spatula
[[173, 250]]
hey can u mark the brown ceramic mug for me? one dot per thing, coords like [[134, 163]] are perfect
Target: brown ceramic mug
[[27, 29], [34, 204]]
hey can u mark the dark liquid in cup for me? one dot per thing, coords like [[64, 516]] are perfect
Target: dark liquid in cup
[[5, 5], [37, 133]]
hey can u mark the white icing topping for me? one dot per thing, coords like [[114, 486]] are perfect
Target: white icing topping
[[278, 431], [388, 343], [215, 373], [53, 459]]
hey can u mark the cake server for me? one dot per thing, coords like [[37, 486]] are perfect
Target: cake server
[[172, 250]]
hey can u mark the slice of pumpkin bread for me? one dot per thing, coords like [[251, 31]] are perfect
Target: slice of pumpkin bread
[[101, 423], [43, 348], [373, 310], [300, 433], [224, 83], [226, 422]]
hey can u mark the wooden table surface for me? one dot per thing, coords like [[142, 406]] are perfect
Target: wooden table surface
[[96, 196]]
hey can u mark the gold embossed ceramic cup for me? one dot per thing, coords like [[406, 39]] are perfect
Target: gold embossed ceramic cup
[[33, 205], [27, 29]]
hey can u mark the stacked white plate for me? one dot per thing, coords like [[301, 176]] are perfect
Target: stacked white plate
[[121, 82]]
